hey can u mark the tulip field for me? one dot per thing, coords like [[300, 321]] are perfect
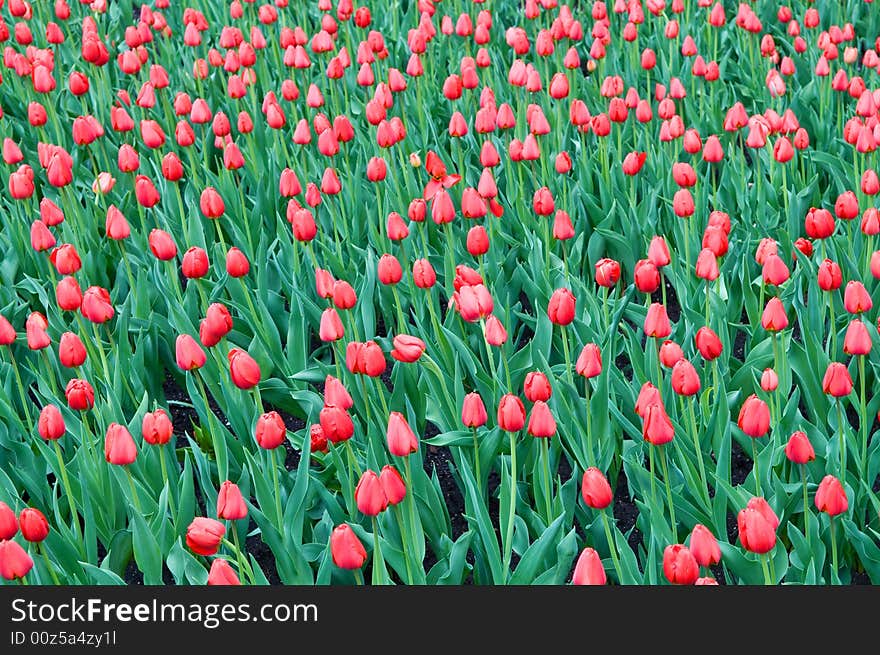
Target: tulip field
[[439, 292]]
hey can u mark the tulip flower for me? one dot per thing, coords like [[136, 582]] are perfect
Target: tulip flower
[[704, 546], [400, 437], [203, 536], [589, 569], [230, 502], [33, 525], [243, 369], [369, 494], [346, 549], [8, 522], [222, 574], [679, 565], [15, 563]]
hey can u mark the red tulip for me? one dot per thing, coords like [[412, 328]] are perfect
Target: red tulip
[[407, 348], [270, 430], [754, 417], [837, 381], [230, 502], [589, 569], [595, 489], [15, 563], [119, 446], [392, 484], [799, 450], [541, 421], [346, 549], [79, 394], [162, 245], [336, 423], [511, 413], [657, 427], [400, 437], [237, 264], [774, 317], [188, 353], [71, 351], [756, 533], [50, 425], [704, 546], [679, 565], [830, 497], [561, 307], [34, 526], [473, 411], [8, 522], [156, 428], [222, 574], [857, 340], [607, 272], [537, 386], [331, 328], [336, 394], [203, 536], [856, 298], [369, 495], [243, 369], [589, 362], [657, 322], [685, 380]]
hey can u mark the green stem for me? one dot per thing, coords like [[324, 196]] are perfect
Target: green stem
[[134, 493], [768, 581], [411, 492], [590, 449], [21, 391], [68, 491], [278, 515], [378, 578], [567, 354], [840, 426], [508, 542], [166, 483], [612, 547], [756, 469], [477, 458], [49, 568], [699, 451], [239, 557], [835, 575], [863, 415], [546, 457], [806, 505], [672, 521]]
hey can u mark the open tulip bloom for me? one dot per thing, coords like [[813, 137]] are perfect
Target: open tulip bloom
[[330, 292]]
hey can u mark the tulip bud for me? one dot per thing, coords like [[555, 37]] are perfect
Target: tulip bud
[[369, 495], [346, 549], [203, 536], [230, 502], [243, 369], [15, 563], [704, 546], [589, 569], [799, 450], [595, 489], [561, 308], [270, 431], [222, 574], [830, 497], [400, 437], [34, 526], [392, 484], [679, 565], [837, 381], [511, 413], [50, 425], [8, 522], [537, 387], [336, 423], [473, 411]]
